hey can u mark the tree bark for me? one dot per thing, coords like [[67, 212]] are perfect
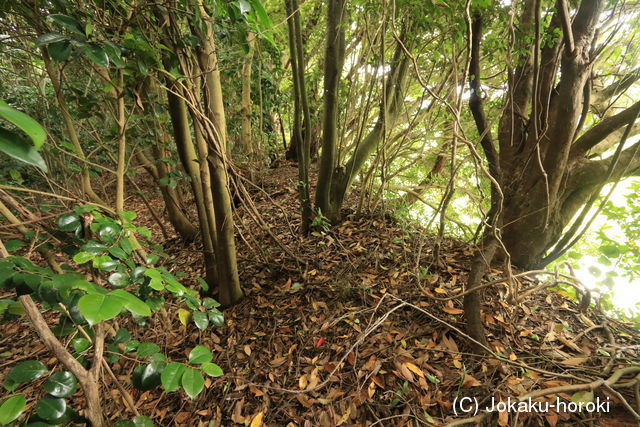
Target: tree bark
[[333, 62], [301, 130], [246, 146], [85, 181]]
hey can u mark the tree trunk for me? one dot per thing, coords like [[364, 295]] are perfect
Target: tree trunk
[[301, 130], [333, 62], [215, 131], [189, 160], [85, 181], [246, 146]]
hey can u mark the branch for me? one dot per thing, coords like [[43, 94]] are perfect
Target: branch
[[617, 87], [628, 164], [476, 103], [601, 130], [566, 27]]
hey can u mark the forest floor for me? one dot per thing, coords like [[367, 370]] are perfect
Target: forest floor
[[345, 328]]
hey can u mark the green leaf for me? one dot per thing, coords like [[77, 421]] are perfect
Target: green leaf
[[48, 38], [105, 263], [25, 123], [193, 382], [209, 303], [585, 396], [14, 245], [109, 232], [127, 246], [51, 408], [152, 259], [132, 303], [212, 369], [69, 222], [118, 252], [200, 354], [83, 257], [97, 55], [97, 308], [201, 320], [11, 408], [140, 421], [80, 344], [146, 377], [144, 232], [203, 284], [131, 346], [118, 280], [610, 251], [27, 371], [60, 51], [216, 317], [12, 145], [261, 13], [122, 336], [68, 22], [94, 247], [61, 384], [172, 375], [147, 349]]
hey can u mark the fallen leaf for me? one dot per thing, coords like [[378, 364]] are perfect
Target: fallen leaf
[[257, 420]]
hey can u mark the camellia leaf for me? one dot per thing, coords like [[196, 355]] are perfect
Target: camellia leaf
[[105, 263], [118, 252], [60, 51], [94, 247], [146, 377], [51, 408], [108, 233], [122, 336], [61, 384], [172, 375], [45, 39], [201, 320], [68, 22], [118, 280], [216, 317], [200, 354], [69, 222], [212, 369], [97, 55], [80, 344], [192, 382], [96, 308], [12, 145], [12, 408], [147, 349], [25, 123], [26, 371], [132, 303], [83, 257]]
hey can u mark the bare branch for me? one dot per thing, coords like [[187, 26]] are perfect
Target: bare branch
[[601, 130], [566, 27], [616, 88]]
